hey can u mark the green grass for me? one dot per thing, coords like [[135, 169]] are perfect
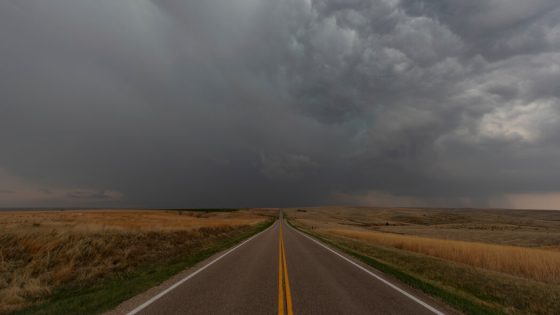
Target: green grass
[[109, 293]]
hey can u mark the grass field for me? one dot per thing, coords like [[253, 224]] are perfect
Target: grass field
[[44, 254], [535, 264], [480, 261]]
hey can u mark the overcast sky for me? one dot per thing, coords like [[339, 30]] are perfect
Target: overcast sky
[[247, 103]]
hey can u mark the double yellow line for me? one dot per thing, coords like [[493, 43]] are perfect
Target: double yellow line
[[283, 280]]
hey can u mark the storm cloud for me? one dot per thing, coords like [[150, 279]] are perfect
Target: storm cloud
[[244, 103]]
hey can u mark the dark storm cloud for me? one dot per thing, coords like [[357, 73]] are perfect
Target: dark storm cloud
[[262, 103]]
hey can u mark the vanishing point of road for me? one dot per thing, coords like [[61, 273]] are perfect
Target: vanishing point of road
[[283, 271]]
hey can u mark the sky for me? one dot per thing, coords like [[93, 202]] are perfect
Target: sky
[[276, 103]]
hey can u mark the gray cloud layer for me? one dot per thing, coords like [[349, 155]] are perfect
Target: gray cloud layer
[[273, 103]]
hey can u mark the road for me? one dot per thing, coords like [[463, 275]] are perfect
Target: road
[[282, 271]]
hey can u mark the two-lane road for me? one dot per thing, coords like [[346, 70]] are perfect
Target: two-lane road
[[283, 271]]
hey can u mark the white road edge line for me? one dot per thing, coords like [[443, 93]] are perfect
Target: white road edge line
[[164, 292], [412, 297]]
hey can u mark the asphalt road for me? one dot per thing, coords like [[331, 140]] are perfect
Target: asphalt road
[[281, 271]]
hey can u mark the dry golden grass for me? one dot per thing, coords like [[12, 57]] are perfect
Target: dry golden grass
[[120, 220], [525, 228], [44, 250], [537, 264], [508, 260]]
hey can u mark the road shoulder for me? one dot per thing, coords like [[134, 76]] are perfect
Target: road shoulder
[[428, 299], [131, 304]]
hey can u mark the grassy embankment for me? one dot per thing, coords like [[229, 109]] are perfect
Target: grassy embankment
[[472, 276], [86, 262]]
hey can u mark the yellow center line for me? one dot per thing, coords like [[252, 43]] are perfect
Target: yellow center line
[[283, 268], [288, 291]]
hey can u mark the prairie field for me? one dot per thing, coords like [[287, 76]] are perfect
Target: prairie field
[[489, 260], [43, 253], [536, 264]]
